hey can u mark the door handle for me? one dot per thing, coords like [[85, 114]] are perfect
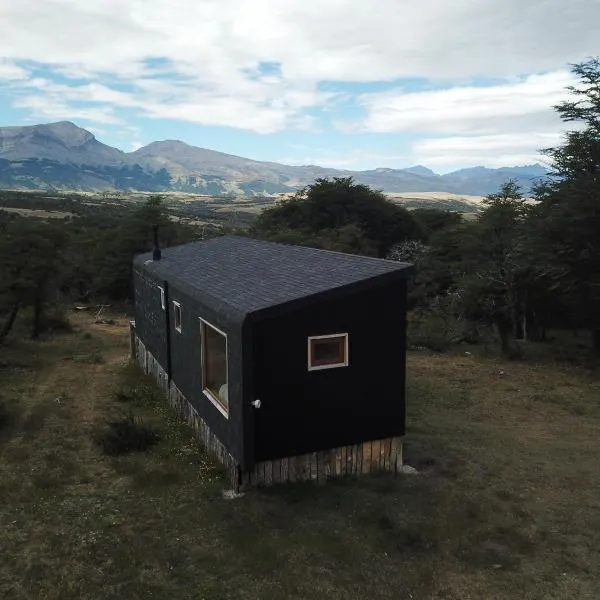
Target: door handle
[[256, 403]]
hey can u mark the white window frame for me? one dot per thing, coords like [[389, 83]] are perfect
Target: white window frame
[[346, 360], [215, 401], [176, 307], [163, 298]]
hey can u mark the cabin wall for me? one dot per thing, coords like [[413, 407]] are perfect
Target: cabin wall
[[306, 411], [150, 318], [186, 366]]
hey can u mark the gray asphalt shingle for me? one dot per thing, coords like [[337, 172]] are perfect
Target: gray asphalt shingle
[[251, 275]]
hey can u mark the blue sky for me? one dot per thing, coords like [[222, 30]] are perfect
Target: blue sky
[[341, 84]]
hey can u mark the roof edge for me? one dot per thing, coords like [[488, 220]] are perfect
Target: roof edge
[[374, 282]]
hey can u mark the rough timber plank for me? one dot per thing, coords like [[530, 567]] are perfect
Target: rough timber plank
[[322, 462], [338, 462], [348, 465], [386, 453], [305, 460], [375, 455], [268, 466], [313, 466], [277, 471], [366, 457], [342, 461], [359, 458], [292, 469], [285, 469]]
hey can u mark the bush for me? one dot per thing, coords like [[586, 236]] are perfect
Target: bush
[[138, 395], [128, 434]]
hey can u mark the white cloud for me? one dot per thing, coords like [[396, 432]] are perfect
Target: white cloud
[[39, 106], [354, 160], [198, 60], [11, 72], [468, 109], [489, 150], [326, 40]]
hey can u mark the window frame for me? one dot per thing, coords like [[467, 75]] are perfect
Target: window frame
[[163, 297], [177, 307], [205, 390], [320, 367]]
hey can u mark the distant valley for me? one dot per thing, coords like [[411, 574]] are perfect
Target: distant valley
[[64, 157]]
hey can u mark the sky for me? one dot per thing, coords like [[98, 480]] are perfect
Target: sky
[[340, 83]]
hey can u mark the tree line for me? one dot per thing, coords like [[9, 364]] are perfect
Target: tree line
[[523, 266], [83, 259]]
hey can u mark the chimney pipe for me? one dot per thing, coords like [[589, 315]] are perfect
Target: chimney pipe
[[156, 253]]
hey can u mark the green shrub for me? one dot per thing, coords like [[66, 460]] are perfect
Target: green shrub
[[128, 434]]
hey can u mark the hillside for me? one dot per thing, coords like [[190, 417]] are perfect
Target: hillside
[[505, 505], [66, 157]]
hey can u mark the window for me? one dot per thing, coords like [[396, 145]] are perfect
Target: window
[[327, 351], [214, 365], [177, 316], [163, 303]]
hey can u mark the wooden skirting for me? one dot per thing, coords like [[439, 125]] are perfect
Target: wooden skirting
[[376, 456], [359, 459]]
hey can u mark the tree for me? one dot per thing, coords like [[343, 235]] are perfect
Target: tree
[[568, 214], [432, 220], [340, 209], [31, 255], [489, 289]]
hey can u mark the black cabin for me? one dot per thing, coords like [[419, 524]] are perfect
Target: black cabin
[[279, 350]]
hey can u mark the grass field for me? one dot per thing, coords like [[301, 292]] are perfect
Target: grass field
[[506, 504], [40, 214]]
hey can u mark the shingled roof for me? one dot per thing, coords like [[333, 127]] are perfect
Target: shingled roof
[[250, 275]]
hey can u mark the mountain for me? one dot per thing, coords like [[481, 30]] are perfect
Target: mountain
[[64, 156], [62, 142], [420, 170]]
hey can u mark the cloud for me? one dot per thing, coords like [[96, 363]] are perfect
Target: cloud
[[327, 40], [11, 72], [468, 109], [261, 65], [491, 150], [39, 106], [354, 160]]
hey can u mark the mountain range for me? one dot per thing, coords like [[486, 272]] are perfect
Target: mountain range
[[63, 156]]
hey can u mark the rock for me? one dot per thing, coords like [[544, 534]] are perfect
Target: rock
[[408, 470]]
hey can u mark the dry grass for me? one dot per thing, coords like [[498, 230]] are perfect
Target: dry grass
[[506, 505], [435, 196], [38, 213]]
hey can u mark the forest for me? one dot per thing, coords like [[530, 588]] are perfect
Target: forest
[[525, 266]]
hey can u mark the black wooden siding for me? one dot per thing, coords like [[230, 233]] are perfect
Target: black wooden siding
[[186, 352], [304, 411], [150, 318]]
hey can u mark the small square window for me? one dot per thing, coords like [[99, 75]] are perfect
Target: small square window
[[177, 316], [163, 302], [327, 351]]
